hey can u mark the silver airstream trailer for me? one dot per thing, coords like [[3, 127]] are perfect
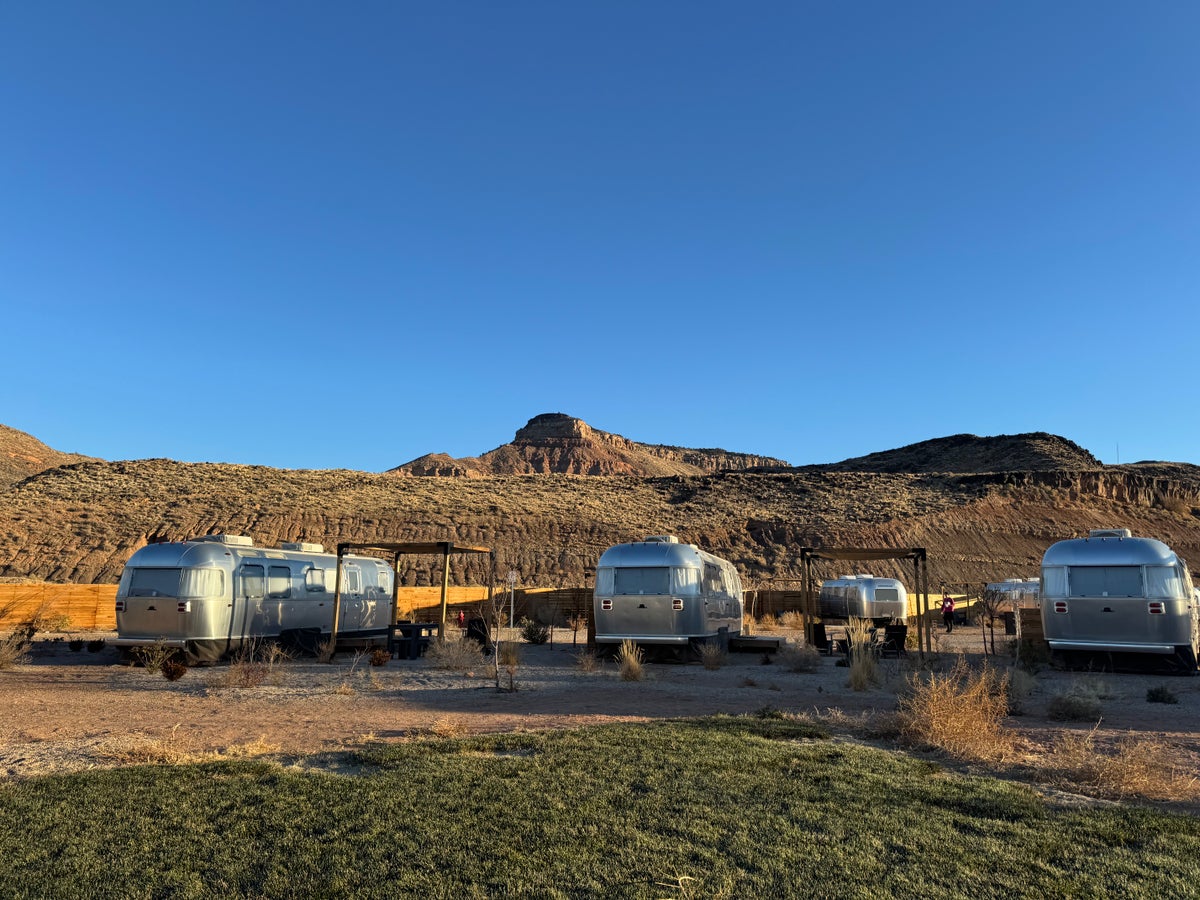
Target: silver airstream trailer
[[665, 594], [207, 596], [1015, 593], [1113, 593], [863, 597]]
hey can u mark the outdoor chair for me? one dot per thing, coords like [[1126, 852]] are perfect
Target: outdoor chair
[[821, 639]]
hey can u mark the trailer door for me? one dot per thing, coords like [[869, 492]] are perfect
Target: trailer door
[[247, 599]]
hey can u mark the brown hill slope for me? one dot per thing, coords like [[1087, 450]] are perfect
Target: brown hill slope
[[22, 455], [80, 522], [558, 443], [1034, 452]]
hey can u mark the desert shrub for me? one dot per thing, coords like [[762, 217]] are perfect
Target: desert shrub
[[712, 656], [1173, 504], [153, 656], [1074, 705], [959, 711], [585, 661], [380, 656], [460, 655], [1161, 694], [767, 624], [95, 646], [630, 661], [534, 632], [173, 669], [14, 650], [1031, 655], [864, 664], [1020, 685], [253, 664], [75, 644], [799, 658]]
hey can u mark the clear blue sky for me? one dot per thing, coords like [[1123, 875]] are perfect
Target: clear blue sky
[[319, 235]]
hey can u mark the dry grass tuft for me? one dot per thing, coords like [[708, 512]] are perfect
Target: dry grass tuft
[[1134, 766], [767, 624], [586, 661], [509, 655], [959, 712], [792, 619], [460, 655], [712, 657], [174, 750], [444, 726], [864, 664], [630, 662], [799, 658], [14, 650], [748, 624]]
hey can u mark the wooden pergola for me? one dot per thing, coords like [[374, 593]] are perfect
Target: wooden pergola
[[445, 548], [920, 581]]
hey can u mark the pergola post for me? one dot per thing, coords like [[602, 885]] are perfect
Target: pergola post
[[337, 601], [445, 588]]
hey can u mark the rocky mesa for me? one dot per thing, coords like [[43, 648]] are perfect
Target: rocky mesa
[[555, 443]]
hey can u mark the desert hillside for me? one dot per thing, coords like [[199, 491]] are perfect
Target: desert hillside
[[79, 522], [22, 455]]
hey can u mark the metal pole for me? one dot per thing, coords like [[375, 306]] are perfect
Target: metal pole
[[337, 602], [445, 588], [512, 597], [395, 615]]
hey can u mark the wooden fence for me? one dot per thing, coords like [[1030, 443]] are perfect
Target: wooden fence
[[59, 607]]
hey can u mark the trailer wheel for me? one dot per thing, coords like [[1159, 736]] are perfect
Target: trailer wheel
[[1186, 658]]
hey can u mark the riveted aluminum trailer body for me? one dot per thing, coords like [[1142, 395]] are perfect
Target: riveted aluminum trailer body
[[1114, 593], [209, 596], [660, 591], [863, 597]]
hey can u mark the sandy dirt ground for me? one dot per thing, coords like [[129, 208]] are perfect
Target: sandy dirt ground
[[68, 710]]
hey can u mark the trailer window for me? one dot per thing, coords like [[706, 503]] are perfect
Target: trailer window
[[202, 583], [1167, 581], [153, 583], [887, 595], [252, 581], [685, 581], [314, 581], [279, 583], [1054, 581], [1105, 581], [352, 581], [642, 580], [604, 582]]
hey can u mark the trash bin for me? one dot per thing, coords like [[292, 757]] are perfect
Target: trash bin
[[477, 631]]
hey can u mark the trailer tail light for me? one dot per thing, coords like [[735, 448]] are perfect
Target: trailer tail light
[[1158, 608], [606, 604], [1060, 606], [184, 606], [120, 606], [677, 603]]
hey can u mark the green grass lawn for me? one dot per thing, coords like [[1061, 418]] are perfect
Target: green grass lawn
[[735, 807]]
